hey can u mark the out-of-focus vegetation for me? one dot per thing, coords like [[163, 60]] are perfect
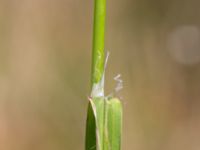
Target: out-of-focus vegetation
[[45, 67]]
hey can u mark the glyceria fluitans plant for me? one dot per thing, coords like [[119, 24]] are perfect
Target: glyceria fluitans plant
[[104, 116]]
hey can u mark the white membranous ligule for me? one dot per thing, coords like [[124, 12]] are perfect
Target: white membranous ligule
[[119, 81], [118, 87], [98, 88]]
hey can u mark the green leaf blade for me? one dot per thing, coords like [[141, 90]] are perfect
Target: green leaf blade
[[104, 124], [95, 125], [114, 116]]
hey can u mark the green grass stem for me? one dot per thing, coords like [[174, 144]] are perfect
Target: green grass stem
[[104, 116], [98, 41]]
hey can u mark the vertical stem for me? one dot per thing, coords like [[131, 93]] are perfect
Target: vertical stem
[[98, 41], [103, 131]]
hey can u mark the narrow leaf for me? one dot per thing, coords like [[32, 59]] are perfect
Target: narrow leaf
[[104, 121], [114, 116]]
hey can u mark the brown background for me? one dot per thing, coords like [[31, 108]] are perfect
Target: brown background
[[45, 56]]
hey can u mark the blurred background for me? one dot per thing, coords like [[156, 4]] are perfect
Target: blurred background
[[45, 59]]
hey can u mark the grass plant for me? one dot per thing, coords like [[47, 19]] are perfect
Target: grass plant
[[104, 116]]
